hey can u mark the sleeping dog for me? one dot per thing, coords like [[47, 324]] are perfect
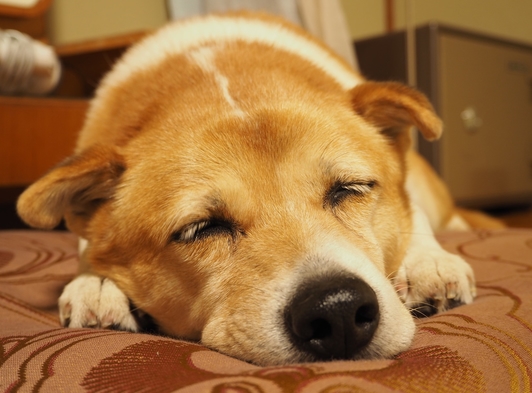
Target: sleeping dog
[[239, 183]]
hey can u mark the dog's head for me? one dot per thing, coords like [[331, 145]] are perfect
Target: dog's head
[[270, 236]]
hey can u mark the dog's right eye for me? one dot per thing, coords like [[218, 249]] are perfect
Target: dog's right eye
[[341, 191], [204, 229]]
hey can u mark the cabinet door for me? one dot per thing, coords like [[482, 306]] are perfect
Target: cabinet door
[[36, 134], [486, 104]]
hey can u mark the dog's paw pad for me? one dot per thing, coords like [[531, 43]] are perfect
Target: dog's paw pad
[[89, 301]]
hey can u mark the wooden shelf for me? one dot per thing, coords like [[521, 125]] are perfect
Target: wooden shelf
[[85, 63], [39, 8], [31, 20]]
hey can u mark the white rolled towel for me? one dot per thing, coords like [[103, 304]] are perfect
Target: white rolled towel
[[27, 66]]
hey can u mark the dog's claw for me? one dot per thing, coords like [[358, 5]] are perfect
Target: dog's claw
[[92, 320], [451, 290], [438, 297], [65, 313]]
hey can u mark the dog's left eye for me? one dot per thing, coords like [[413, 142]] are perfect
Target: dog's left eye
[[204, 229], [341, 191]]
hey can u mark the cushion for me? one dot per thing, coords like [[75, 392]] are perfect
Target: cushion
[[485, 346]]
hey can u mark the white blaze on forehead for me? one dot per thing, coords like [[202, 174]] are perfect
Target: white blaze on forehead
[[179, 37], [204, 57]]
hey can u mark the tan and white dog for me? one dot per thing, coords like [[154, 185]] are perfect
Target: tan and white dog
[[239, 183]]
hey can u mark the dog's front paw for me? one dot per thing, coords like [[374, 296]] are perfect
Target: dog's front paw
[[92, 301], [434, 280]]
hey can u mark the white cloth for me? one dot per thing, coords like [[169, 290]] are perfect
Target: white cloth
[[324, 19]]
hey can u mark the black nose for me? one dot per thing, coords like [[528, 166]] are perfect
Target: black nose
[[332, 317]]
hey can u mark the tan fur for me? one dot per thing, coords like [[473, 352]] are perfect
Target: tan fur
[[429, 191], [255, 137], [479, 220]]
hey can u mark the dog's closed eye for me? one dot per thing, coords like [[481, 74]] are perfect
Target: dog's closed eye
[[204, 229], [340, 191]]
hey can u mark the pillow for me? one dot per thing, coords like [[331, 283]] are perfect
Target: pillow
[[485, 346]]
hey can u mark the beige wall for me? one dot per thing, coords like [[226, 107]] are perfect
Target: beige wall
[[81, 20], [365, 17], [508, 19]]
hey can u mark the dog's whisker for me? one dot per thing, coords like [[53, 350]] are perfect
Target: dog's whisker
[[419, 313], [416, 303]]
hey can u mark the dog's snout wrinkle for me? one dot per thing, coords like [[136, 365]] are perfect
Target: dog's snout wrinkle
[[333, 317]]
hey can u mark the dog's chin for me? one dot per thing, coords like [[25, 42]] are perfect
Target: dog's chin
[[297, 357], [272, 346], [293, 356], [373, 351]]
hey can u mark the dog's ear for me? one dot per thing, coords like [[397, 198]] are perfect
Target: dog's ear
[[73, 190], [394, 108]]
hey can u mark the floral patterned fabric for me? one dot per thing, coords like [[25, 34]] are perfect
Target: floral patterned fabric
[[482, 347]]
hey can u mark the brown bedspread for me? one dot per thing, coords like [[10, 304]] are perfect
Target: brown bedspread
[[485, 346]]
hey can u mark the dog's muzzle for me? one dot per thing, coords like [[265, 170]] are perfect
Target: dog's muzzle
[[332, 317]]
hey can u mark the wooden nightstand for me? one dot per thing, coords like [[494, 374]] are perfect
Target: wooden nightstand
[[35, 135]]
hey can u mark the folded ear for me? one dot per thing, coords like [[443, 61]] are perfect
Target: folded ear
[[394, 108], [72, 190]]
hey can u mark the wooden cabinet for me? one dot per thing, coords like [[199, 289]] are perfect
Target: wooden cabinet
[[36, 134], [482, 88]]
